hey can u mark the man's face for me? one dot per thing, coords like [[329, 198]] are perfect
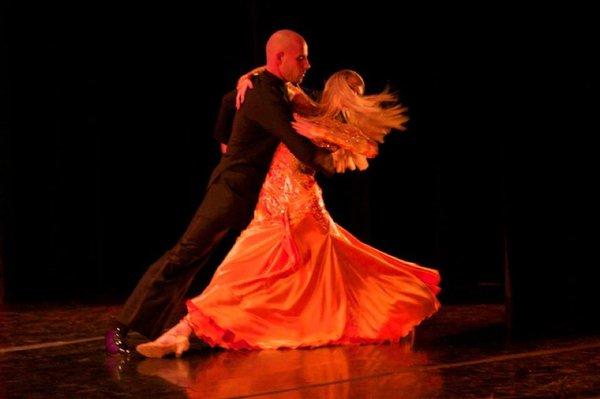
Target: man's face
[[294, 62]]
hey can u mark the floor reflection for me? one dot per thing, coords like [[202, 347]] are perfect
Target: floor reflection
[[332, 372], [460, 354]]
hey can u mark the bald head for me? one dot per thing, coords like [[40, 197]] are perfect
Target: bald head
[[282, 40], [287, 56]]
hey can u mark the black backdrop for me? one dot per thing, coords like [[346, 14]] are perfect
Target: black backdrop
[[111, 107]]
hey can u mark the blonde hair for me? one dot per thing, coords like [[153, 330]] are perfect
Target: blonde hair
[[375, 115]]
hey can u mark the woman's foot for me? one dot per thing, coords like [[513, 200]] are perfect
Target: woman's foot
[[176, 341], [164, 345]]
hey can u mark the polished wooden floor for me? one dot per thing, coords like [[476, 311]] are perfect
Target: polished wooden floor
[[462, 352]]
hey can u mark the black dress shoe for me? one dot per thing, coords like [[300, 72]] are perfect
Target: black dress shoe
[[115, 341]]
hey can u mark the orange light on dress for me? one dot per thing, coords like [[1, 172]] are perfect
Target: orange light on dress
[[296, 279]]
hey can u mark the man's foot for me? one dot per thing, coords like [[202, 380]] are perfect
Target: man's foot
[[165, 345], [115, 341]]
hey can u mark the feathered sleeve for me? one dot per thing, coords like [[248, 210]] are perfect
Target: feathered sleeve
[[350, 146]]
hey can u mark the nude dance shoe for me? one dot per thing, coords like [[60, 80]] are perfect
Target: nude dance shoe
[[176, 344]]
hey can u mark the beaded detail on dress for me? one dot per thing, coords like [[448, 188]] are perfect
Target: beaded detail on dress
[[290, 191]]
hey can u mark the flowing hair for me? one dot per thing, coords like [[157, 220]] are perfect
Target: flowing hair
[[375, 115]]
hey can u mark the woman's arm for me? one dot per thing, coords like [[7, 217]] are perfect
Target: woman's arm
[[343, 135]]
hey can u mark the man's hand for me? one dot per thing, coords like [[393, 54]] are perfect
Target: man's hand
[[325, 161], [344, 160]]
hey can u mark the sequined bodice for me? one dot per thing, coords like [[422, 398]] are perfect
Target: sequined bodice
[[290, 192]]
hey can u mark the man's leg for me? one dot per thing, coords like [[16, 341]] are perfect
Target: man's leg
[[164, 285]]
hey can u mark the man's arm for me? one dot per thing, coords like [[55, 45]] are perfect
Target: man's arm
[[225, 117], [270, 109]]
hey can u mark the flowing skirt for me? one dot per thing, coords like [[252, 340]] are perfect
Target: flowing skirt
[[310, 284]]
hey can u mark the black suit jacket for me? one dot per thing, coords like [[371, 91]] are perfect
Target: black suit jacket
[[225, 117], [227, 110], [261, 123]]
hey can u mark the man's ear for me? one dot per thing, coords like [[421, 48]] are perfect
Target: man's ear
[[280, 57]]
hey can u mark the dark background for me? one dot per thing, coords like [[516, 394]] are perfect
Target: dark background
[[106, 145]]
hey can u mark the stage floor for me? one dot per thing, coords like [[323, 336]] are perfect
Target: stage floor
[[462, 352]]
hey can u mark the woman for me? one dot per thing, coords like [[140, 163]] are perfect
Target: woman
[[294, 277]]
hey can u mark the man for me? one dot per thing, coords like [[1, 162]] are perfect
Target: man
[[225, 120], [261, 123]]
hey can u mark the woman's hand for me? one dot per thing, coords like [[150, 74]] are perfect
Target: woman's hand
[[244, 83]]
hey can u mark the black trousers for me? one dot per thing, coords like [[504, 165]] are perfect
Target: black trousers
[[162, 288]]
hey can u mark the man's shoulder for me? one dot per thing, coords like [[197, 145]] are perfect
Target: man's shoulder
[[267, 80], [265, 87]]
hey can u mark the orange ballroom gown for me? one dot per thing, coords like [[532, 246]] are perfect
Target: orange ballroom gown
[[294, 278]]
